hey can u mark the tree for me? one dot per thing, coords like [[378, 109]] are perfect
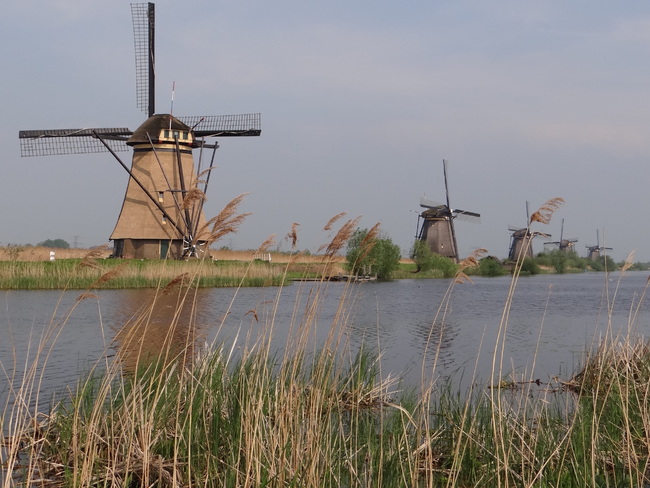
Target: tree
[[422, 256], [372, 253], [56, 243]]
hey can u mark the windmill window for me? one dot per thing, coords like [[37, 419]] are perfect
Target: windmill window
[[161, 196], [164, 220]]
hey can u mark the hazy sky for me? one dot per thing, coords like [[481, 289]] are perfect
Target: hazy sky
[[360, 102]]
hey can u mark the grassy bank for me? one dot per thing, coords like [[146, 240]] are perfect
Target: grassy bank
[[95, 273]]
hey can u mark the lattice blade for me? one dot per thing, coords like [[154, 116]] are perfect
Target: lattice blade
[[143, 15], [426, 203], [224, 125], [71, 141], [466, 216]]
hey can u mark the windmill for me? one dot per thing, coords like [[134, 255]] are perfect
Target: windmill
[[162, 212], [565, 245], [437, 223], [594, 251], [521, 245]]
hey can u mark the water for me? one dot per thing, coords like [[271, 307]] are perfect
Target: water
[[552, 321]]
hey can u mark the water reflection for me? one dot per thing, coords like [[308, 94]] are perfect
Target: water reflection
[[165, 325]]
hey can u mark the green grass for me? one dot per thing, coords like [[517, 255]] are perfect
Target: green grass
[[83, 274]]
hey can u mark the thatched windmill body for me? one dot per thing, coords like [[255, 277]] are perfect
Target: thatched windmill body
[[436, 223], [162, 212], [593, 252], [521, 240], [564, 245]]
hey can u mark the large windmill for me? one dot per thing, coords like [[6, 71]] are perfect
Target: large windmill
[[162, 212], [593, 252], [436, 223], [565, 245], [521, 245]]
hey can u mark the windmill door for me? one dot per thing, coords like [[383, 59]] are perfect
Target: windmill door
[[164, 249]]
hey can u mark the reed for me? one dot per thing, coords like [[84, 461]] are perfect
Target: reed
[[320, 413]]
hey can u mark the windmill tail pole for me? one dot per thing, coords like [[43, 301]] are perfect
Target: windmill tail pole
[[181, 177], [137, 181], [195, 230]]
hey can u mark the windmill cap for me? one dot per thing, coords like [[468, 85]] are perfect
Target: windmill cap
[[153, 126]]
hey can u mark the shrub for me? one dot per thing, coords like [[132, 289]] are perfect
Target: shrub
[[422, 256], [490, 266], [529, 267], [372, 253]]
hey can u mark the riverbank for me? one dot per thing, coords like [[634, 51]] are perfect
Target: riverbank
[[35, 268]]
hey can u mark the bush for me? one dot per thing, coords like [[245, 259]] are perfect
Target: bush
[[422, 256], [427, 260], [490, 266], [603, 263], [529, 267], [372, 255]]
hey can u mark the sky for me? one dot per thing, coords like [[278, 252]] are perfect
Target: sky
[[360, 102]]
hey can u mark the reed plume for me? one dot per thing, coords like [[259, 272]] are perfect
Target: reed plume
[[192, 196], [270, 241], [85, 295], [227, 222], [368, 242], [175, 283], [201, 174], [292, 236], [90, 259], [341, 238], [546, 211], [110, 275], [471, 261], [333, 220], [629, 261]]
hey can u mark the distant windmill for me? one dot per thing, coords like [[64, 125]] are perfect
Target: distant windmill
[[162, 212], [521, 245], [437, 223], [566, 245], [594, 251]]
